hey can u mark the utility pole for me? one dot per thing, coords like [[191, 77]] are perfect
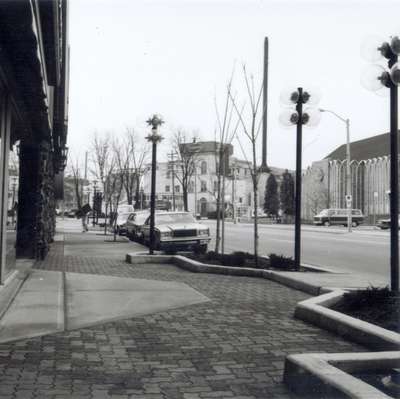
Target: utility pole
[[264, 167]]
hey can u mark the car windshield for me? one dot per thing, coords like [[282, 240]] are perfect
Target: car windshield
[[140, 218], [167, 218]]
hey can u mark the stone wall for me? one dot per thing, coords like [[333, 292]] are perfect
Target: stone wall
[[36, 209]]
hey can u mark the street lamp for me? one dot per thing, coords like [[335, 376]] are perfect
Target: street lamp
[[378, 79], [171, 169], [95, 202], [349, 198], [289, 117], [154, 138]]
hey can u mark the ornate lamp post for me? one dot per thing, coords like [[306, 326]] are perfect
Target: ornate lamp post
[[154, 138], [378, 79], [298, 117]]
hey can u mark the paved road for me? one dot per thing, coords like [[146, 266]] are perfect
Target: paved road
[[365, 250]]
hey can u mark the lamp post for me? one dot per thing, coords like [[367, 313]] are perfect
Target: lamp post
[[298, 117], [349, 198], [378, 79], [95, 200], [172, 170], [154, 138]]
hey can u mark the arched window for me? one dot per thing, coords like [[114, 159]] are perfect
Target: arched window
[[203, 168]]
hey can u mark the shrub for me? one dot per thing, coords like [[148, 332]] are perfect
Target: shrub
[[281, 262], [369, 296]]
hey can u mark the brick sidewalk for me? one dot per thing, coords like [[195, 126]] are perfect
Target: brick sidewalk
[[232, 347]]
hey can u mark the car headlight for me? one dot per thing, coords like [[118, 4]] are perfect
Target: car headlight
[[165, 234], [204, 232]]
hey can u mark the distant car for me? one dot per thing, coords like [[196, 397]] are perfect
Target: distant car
[[328, 217], [177, 231], [134, 225], [71, 213], [384, 224], [120, 225]]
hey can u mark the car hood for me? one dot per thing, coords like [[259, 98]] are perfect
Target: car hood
[[181, 226], [385, 220]]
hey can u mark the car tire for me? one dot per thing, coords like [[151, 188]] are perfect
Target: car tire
[[202, 249], [354, 224], [327, 224]]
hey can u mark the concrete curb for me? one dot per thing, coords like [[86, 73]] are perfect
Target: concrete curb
[[316, 311], [328, 374], [197, 267], [324, 374]]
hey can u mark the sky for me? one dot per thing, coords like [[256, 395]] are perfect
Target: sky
[[131, 59]]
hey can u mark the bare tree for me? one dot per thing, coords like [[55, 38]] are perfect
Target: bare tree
[[251, 126], [131, 158], [116, 180], [103, 166], [223, 136], [317, 194], [187, 154], [77, 181]]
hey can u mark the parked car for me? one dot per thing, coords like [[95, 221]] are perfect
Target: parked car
[[384, 224], [125, 208], [71, 213], [134, 225], [329, 217], [120, 225], [177, 231]]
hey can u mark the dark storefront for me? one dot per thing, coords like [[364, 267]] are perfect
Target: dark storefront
[[34, 58]]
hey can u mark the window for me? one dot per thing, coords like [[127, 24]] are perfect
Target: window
[[203, 168], [167, 188], [177, 189], [203, 186], [169, 174], [215, 186], [240, 200]]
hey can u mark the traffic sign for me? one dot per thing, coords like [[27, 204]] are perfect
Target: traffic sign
[[348, 200]]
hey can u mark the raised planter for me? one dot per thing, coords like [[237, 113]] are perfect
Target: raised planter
[[328, 374], [197, 267], [316, 311]]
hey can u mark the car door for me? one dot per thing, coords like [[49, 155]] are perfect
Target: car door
[[129, 225], [146, 229]]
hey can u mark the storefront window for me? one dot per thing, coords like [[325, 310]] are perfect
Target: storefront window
[[9, 172], [12, 207]]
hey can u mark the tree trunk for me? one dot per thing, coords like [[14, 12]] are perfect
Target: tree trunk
[[137, 194], [218, 234], [255, 192], [185, 199]]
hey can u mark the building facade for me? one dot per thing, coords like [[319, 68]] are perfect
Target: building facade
[[203, 182], [324, 183], [33, 125]]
